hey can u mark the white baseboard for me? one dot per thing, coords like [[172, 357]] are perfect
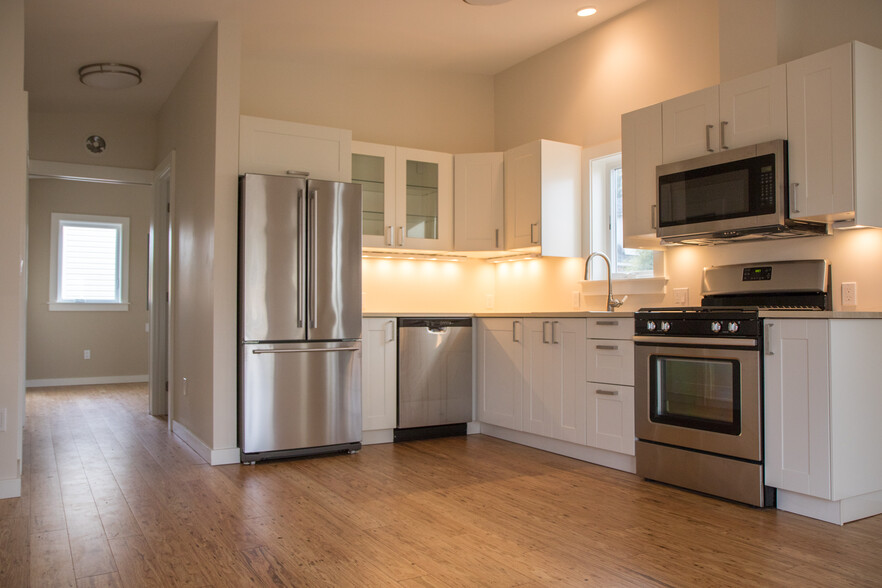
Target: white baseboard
[[10, 488], [96, 381], [837, 512], [211, 456], [609, 459]]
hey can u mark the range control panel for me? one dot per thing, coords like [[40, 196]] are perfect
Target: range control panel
[[697, 324]]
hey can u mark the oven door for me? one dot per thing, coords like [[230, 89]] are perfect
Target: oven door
[[702, 395]]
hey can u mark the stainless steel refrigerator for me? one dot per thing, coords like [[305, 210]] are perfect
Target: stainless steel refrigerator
[[299, 317]]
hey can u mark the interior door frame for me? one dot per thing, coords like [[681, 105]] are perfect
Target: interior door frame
[[160, 316]]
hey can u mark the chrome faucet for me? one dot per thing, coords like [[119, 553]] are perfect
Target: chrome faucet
[[611, 303]]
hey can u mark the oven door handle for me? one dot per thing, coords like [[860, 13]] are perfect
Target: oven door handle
[[696, 341]]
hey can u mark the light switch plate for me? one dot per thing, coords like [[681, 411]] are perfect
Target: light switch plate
[[681, 296], [577, 300]]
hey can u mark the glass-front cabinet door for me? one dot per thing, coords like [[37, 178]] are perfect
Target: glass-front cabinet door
[[424, 201], [373, 166], [407, 196]]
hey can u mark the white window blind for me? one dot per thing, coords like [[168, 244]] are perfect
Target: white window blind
[[89, 262]]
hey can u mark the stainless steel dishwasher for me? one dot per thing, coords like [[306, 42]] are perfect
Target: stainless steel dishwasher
[[434, 377]]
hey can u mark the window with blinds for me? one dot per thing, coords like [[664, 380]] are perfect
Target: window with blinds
[[89, 262]]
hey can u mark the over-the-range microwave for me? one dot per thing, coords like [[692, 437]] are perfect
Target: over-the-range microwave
[[733, 195]]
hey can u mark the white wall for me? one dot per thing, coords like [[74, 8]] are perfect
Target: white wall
[[436, 111], [13, 196], [200, 123]]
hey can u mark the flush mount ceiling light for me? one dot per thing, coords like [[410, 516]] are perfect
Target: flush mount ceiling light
[[484, 2], [110, 75], [586, 11]]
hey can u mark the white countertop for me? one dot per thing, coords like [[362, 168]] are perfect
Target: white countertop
[[570, 314]]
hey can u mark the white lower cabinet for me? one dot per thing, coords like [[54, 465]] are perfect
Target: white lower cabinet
[[554, 376], [610, 385], [500, 371], [822, 412], [610, 411], [378, 376]]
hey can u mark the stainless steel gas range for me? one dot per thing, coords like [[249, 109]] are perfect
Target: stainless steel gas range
[[699, 374]]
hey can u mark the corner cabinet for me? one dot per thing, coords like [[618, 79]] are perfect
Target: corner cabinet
[[543, 191], [409, 196], [835, 116], [280, 147], [379, 379], [478, 202], [822, 412]]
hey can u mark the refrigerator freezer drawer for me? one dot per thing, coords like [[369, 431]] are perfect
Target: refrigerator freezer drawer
[[299, 395]]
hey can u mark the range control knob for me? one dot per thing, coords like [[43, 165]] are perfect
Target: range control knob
[[732, 327], [716, 326], [650, 325], [665, 326]]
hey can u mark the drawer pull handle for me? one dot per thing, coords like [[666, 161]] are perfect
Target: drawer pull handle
[[608, 392], [607, 347], [607, 323]]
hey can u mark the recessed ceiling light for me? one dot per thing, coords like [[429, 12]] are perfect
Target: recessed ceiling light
[[587, 11], [484, 2], [110, 75]]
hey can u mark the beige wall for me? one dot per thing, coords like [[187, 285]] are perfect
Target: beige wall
[[748, 37], [13, 198], [60, 136], [200, 123], [56, 339], [437, 111], [577, 91], [808, 26]]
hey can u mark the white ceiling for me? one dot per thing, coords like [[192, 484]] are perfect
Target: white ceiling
[[162, 36]]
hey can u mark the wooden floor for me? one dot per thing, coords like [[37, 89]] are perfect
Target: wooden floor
[[109, 498]]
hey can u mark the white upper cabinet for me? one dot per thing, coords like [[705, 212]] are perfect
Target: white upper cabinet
[[753, 109], [407, 196], [835, 135], [279, 147], [478, 197], [744, 111], [424, 199], [373, 166], [543, 184], [641, 153], [690, 125]]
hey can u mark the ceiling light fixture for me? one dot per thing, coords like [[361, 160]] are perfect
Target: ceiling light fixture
[[484, 2], [111, 76], [586, 11]]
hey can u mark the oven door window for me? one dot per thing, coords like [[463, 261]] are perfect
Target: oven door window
[[700, 393]]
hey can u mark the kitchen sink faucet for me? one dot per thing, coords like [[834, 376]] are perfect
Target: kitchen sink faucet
[[611, 303]]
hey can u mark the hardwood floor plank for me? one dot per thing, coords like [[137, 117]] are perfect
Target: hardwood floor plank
[[14, 551], [50, 560], [105, 581]]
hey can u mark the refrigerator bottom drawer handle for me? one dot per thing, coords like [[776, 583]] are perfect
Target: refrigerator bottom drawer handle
[[259, 351]]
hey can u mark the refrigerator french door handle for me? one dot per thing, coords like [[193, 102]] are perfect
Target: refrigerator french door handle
[[313, 261], [301, 259], [319, 350]]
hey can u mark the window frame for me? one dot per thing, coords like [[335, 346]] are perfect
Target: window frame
[[122, 303], [597, 164]]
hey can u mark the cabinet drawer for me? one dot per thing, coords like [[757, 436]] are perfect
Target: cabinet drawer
[[610, 361], [611, 328], [610, 413]]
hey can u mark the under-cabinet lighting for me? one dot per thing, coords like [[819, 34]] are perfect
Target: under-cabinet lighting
[[505, 258], [411, 256]]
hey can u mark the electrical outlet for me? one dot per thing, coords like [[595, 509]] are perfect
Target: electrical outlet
[[489, 301], [577, 299], [681, 296], [849, 293], [87, 354]]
